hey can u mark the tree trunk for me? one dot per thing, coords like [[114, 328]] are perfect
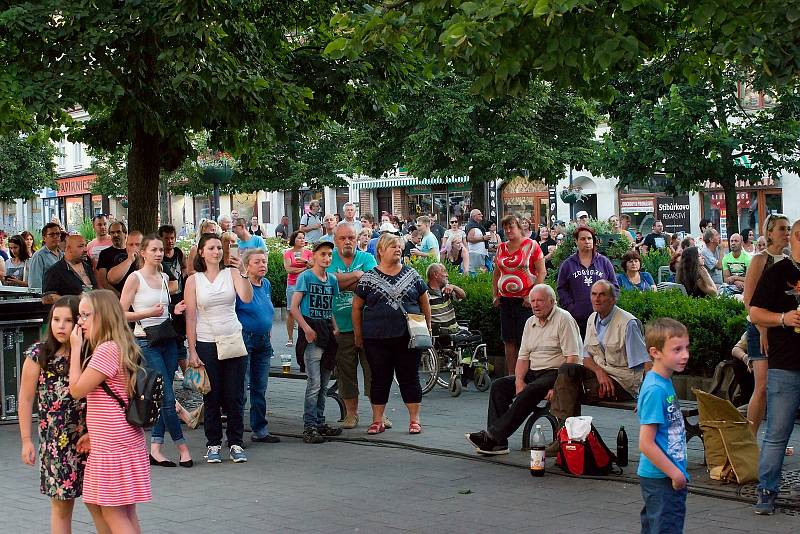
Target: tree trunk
[[478, 196], [731, 208], [163, 201], [144, 165], [294, 215]]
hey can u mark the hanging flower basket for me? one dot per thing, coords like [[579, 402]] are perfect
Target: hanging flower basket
[[571, 196], [217, 167]]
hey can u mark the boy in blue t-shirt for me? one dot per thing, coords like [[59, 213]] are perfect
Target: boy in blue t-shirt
[[312, 300], [662, 436]]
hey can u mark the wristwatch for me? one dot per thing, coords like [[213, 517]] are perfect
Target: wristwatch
[[783, 315]]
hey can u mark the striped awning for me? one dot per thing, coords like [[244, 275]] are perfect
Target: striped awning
[[405, 181]]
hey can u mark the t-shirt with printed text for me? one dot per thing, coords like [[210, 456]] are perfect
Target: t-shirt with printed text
[[318, 294]]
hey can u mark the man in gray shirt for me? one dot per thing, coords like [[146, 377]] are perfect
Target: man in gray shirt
[[712, 255], [47, 256]]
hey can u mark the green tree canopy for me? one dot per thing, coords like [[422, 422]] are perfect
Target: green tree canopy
[[579, 44], [27, 164], [443, 130], [697, 133], [150, 73]]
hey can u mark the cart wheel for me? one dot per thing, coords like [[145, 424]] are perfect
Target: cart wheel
[[455, 386], [482, 379]]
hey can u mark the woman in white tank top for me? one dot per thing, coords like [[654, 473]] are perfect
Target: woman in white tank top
[[210, 298], [145, 297]]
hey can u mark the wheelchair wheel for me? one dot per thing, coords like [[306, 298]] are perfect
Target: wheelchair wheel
[[482, 379], [428, 370], [455, 386]]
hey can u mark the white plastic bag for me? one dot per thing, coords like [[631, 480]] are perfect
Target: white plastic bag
[[578, 427]]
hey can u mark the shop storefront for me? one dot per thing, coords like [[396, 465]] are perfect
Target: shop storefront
[[640, 208], [753, 204], [407, 195], [527, 198], [443, 200], [76, 203]]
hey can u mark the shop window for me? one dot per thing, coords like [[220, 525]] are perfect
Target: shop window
[[342, 198], [77, 155], [62, 155]]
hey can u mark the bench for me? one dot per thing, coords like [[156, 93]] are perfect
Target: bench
[[688, 409], [276, 371]]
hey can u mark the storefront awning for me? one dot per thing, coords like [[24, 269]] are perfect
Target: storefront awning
[[405, 181]]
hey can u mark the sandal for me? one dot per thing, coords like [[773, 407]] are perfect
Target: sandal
[[376, 428], [414, 427], [290, 343]]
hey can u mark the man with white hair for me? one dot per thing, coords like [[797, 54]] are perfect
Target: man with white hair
[[349, 210], [550, 339], [476, 241], [224, 222]]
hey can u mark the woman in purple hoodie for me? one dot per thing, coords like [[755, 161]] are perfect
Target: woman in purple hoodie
[[579, 272]]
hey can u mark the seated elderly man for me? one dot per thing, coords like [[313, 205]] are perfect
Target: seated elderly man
[[550, 339], [441, 295], [614, 358]]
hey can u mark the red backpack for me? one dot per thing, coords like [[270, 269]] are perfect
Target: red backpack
[[590, 456]]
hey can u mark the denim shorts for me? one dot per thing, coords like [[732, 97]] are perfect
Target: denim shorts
[[754, 343], [289, 293]]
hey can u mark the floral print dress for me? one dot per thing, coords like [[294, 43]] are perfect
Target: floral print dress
[[62, 420]]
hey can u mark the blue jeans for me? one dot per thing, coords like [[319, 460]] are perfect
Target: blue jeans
[[164, 359], [316, 388], [664, 508], [259, 354], [783, 399]]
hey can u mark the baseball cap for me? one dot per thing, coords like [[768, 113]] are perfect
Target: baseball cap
[[582, 214], [319, 244], [387, 227]]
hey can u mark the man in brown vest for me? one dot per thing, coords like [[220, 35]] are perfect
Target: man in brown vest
[[614, 358]]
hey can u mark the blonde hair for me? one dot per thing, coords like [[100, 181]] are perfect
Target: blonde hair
[[769, 224], [384, 241], [146, 241], [658, 331], [110, 325]]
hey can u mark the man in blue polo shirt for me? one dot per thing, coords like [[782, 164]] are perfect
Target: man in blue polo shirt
[[246, 239], [348, 265], [256, 318]]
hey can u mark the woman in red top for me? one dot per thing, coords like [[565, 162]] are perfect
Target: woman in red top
[[296, 259], [518, 266], [117, 472]]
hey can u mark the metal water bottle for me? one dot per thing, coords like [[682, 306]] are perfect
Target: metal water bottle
[[537, 452], [622, 447]]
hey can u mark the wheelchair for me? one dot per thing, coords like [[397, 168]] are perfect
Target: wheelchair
[[455, 359]]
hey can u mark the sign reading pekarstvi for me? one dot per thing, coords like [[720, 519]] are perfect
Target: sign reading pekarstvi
[[674, 213]]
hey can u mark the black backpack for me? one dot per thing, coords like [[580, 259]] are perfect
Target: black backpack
[[144, 406]]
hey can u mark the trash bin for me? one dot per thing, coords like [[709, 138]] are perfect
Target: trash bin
[[22, 315]]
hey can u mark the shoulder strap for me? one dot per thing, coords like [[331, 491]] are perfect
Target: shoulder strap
[[113, 395]]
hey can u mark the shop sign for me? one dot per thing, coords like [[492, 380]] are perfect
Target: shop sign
[[551, 199], [75, 185], [419, 190], [674, 213], [636, 205], [742, 200]]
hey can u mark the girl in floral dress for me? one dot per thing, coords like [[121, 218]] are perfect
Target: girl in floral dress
[[118, 468], [63, 442]]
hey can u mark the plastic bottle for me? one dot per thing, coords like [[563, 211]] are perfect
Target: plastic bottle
[[622, 447], [537, 452]]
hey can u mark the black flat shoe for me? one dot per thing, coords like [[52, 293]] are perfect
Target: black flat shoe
[[187, 463], [165, 463]]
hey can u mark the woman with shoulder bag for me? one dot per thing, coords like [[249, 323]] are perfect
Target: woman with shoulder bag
[[215, 337], [390, 291], [147, 294]]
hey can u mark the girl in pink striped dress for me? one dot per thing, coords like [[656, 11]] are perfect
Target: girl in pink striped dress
[[117, 472]]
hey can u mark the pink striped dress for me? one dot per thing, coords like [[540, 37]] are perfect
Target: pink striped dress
[[118, 467]]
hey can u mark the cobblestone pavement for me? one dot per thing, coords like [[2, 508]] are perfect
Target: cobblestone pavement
[[427, 483]]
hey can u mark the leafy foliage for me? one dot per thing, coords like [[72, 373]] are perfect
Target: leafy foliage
[[504, 45], [26, 165], [692, 134], [610, 244], [442, 130]]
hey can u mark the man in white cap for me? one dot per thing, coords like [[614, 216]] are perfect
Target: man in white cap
[[583, 218]]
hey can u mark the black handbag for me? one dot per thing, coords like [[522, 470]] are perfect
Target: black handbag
[[163, 332], [144, 406]]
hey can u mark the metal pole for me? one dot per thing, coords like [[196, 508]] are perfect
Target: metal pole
[[215, 207], [572, 205]]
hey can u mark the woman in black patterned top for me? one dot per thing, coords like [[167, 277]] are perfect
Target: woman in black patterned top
[[382, 331]]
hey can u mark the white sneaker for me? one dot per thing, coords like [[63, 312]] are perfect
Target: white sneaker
[[179, 375]]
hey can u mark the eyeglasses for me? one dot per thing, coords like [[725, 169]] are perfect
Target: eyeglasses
[[85, 316], [453, 222]]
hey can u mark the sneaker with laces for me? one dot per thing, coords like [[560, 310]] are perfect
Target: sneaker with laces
[[329, 431], [310, 435], [237, 454], [765, 505], [485, 444], [212, 455], [350, 421]]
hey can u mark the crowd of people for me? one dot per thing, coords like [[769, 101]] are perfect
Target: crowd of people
[[350, 292]]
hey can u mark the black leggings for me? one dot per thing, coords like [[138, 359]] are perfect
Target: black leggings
[[388, 357]]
